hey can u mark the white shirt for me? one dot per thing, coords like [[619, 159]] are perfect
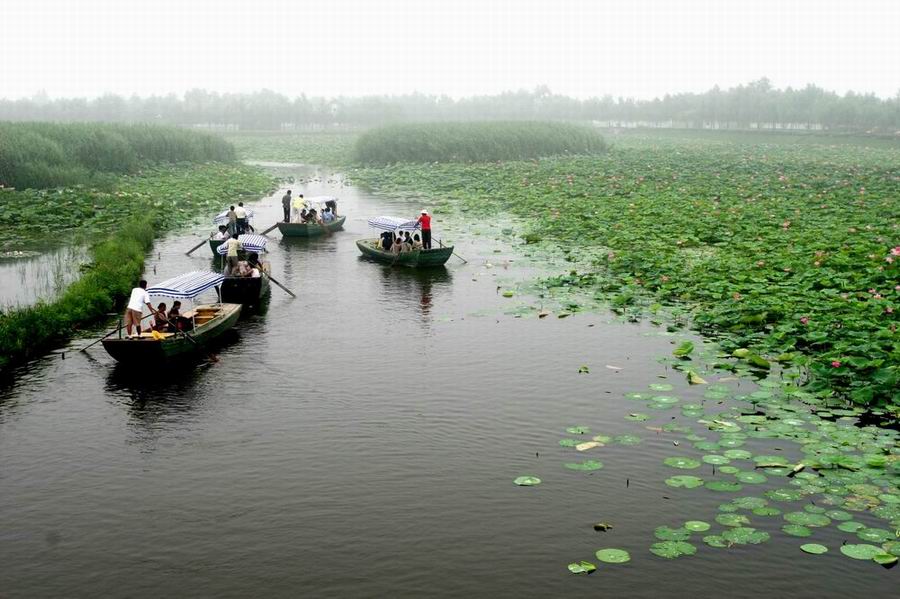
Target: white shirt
[[220, 235], [240, 212], [139, 298], [254, 274]]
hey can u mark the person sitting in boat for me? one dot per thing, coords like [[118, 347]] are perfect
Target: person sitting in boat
[[387, 240], [160, 320], [312, 216], [254, 265], [221, 234], [416, 241], [327, 216], [332, 207]]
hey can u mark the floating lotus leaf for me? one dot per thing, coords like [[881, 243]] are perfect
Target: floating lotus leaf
[[892, 547], [839, 515], [729, 470], [601, 438], [796, 530], [637, 396], [664, 399], [745, 536], [814, 548], [738, 454], [850, 526], [697, 525], [885, 559], [889, 498], [613, 556], [586, 465], [692, 407], [864, 489], [860, 551], [784, 495], [627, 439], [732, 519], [581, 567], [661, 387], [578, 430], [716, 541], [807, 519], [568, 442], [770, 459], [749, 503], [681, 462], [730, 442], [875, 535], [666, 533], [672, 549], [683, 350], [723, 485], [715, 460], [813, 509], [706, 445], [637, 417], [676, 428], [766, 511], [751, 478], [684, 480], [527, 481]]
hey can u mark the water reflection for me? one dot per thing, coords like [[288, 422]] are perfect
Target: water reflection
[[412, 287], [30, 278]]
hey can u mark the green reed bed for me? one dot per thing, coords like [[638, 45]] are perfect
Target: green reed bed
[[781, 253], [475, 142]]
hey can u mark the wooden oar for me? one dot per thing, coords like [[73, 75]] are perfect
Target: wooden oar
[[188, 253], [269, 229], [460, 257], [92, 344], [277, 283]]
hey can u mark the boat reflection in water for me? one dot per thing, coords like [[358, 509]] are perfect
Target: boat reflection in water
[[407, 287]]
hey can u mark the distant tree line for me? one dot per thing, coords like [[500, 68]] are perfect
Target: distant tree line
[[756, 105]]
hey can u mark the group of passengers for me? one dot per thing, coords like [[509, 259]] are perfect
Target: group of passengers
[[163, 322], [171, 321], [297, 210], [234, 266], [398, 242]]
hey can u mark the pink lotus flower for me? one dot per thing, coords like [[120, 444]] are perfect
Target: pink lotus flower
[[804, 320], [895, 251], [835, 364], [888, 310]]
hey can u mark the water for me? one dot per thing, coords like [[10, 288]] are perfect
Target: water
[[38, 276], [361, 440]]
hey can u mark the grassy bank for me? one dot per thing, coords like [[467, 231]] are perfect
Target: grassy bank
[[474, 142], [787, 253], [45, 155]]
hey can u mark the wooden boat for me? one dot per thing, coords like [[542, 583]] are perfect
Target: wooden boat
[[311, 229], [416, 258], [245, 290], [209, 322], [214, 245], [250, 242]]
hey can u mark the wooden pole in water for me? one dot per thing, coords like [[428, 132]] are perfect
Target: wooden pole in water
[[188, 253], [269, 229], [277, 283]]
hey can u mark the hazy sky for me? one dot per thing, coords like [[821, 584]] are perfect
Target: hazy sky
[[638, 48]]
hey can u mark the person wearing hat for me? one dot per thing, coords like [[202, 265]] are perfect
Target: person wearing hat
[[425, 222]]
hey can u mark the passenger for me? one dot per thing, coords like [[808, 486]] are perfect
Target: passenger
[[312, 216], [416, 242], [232, 221], [327, 216], [231, 256], [303, 215], [387, 240], [160, 320], [134, 313], [241, 214], [221, 234], [174, 316], [254, 265], [286, 206], [298, 205], [243, 269], [332, 206], [397, 245]]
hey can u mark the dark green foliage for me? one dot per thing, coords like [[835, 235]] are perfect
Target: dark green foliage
[[475, 142], [46, 155]]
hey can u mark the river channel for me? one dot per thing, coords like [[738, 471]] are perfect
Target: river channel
[[361, 441]]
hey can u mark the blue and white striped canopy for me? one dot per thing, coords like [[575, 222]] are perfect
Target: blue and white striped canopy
[[222, 217], [249, 243], [392, 223], [187, 286], [321, 199]]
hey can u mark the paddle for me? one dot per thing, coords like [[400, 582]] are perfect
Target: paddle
[[270, 229], [188, 253], [460, 257], [92, 344], [277, 283]]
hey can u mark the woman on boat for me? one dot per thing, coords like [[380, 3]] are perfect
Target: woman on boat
[[416, 242], [160, 320], [387, 240]]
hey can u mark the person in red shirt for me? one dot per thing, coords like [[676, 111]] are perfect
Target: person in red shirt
[[425, 223]]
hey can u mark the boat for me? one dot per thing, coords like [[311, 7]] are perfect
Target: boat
[[370, 248], [314, 229], [222, 219], [209, 321], [250, 242], [246, 290]]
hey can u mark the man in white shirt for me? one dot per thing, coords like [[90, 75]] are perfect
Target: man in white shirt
[[221, 234], [241, 213], [134, 313]]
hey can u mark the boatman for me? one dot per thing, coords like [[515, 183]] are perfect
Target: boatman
[[286, 206], [299, 205], [233, 244], [134, 313], [241, 213], [425, 222], [232, 221]]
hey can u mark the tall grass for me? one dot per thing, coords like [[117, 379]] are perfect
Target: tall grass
[[475, 142], [45, 155]]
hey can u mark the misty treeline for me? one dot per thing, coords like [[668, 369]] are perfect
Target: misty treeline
[[751, 106]]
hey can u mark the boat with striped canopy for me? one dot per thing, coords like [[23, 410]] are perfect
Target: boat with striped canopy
[[293, 229], [250, 242], [246, 290], [222, 219], [207, 322], [371, 248]]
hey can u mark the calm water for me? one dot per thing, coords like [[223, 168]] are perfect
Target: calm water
[[26, 280], [361, 440]]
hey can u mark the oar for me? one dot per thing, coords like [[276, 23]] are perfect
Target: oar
[[92, 344], [262, 272], [198, 245], [269, 229], [460, 257]]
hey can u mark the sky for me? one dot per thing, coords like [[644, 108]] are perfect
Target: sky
[[631, 48]]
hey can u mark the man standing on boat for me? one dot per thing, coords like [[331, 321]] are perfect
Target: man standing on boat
[[232, 221], [286, 206], [231, 257], [241, 213], [425, 222], [134, 313]]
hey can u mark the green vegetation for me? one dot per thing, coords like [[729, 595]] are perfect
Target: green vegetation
[[781, 255], [475, 142], [333, 148], [44, 155]]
